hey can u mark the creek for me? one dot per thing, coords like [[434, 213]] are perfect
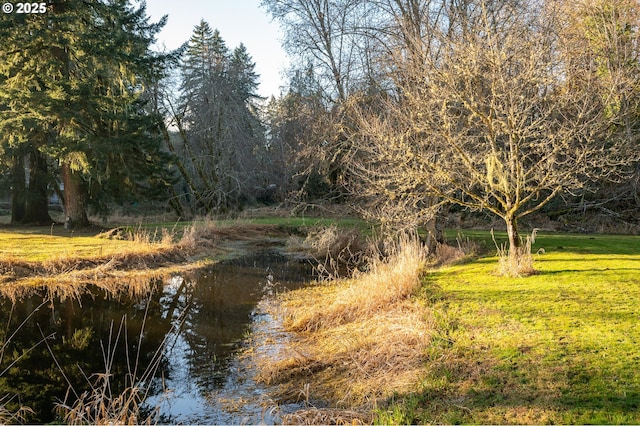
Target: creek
[[185, 334]]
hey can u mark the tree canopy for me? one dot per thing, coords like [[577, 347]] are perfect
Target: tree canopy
[[72, 92], [219, 131]]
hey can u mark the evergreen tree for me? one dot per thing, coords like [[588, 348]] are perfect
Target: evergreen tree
[[23, 129], [73, 84], [243, 76], [218, 122]]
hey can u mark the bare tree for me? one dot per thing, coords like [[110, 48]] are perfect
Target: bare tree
[[494, 116], [219, 133], [321, 34], [326, 38]]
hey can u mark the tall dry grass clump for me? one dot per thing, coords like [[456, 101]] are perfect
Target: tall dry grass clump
[[446, 254], [101, 407], [517, 262], [387, 280], [11, 417], [355, 340], [143, 239]]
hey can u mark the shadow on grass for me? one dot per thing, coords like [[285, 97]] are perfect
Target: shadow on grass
[[530, 350], [511, 392], [571, 271]]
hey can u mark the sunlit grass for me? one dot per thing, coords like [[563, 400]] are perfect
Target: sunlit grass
[[37, 245], [560, 346]]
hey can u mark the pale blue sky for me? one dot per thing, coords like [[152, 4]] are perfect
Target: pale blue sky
[[239, 21]]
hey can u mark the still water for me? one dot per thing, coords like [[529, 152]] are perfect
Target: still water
[[185, 334]]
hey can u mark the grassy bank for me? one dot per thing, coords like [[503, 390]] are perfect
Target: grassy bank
[[36, 256], [42, 244], [64, 262], [557, 347], [467, 346]]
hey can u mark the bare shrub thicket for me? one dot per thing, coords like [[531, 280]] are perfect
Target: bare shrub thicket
[[464, 248], [344, 252], [337, 251]]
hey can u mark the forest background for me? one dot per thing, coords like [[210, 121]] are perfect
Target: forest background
[[409, 112]]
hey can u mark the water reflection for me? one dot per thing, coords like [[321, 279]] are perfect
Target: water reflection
[[203, 316]]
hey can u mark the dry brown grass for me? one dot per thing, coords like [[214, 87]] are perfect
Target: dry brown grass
[[356, 340], [337, 251], [74, 286], [323, 416], [9, 417], [100, 407], [387, 281], [207, 234], [125, 271], [519, 262]]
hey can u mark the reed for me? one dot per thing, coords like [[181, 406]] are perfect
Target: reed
[[516, 261], [105, 402], [387, 280]]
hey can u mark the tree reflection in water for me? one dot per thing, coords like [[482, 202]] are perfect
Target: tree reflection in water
[[202, 317]]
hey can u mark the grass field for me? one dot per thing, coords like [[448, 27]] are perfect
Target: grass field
[[561, 346], [41, 245]]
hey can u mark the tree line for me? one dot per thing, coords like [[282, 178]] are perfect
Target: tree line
[[91, 112], [501, 106], [403, 108]]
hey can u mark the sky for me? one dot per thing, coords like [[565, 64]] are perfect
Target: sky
[[239, 21]]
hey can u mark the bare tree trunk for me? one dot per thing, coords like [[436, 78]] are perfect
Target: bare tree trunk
[[514, 238], [37, 199], [435, 227], [19, 188], [74, 199], [431, 241]]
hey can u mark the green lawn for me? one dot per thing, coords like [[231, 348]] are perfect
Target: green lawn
[[562, 346], [41, 244]]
